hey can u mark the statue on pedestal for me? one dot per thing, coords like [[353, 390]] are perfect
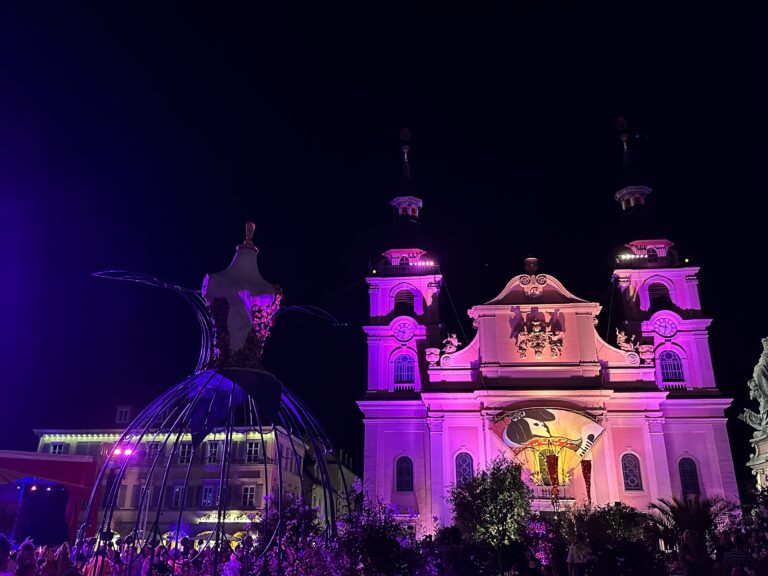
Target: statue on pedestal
[[758, 390]]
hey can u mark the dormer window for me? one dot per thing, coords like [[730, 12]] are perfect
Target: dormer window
[[122, 415], [653, 255], [404, 261]]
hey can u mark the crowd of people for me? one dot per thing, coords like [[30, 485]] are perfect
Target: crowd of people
[[736, 553], [121, 558]]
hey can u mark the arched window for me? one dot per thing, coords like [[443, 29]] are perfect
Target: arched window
[[404, 302], [671, 367], [404, 474], [653, 256], [689, 476], [658, 296], [404, 372], [630, 469], [464, 468], [403, 261]]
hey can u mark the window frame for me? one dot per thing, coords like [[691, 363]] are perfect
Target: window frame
[[183, 457], [213, 501], [671, 369], [210, 451], [252, 456], [404, 477], [635, 459], [462, 477], [686, 482], [177, 496], [56, 448], [123, 415], [248, 494], [404, 372]]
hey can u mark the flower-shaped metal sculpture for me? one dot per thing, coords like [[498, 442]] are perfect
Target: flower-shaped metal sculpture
[[228, 402]]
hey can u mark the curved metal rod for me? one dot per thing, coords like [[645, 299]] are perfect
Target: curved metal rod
[[192, 297]]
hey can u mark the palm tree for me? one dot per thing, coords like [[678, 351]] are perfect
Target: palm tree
[[673, 516]]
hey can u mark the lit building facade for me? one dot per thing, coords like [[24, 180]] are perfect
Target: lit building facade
[[253, 474], [632, 420]]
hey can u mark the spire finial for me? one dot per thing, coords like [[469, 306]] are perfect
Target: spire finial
[[621, 124], [405, 137], [250, 227]]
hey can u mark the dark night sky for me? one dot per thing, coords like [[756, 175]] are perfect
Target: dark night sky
[[142, 139]]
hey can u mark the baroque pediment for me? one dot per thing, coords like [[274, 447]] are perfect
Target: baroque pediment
[[534, 289]]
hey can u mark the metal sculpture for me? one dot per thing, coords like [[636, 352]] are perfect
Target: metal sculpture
[[229, 394]]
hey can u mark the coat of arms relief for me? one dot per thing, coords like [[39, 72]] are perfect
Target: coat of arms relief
[[537, 336]]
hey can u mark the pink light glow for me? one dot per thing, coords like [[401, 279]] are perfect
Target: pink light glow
[[128, 451], [118, 451]]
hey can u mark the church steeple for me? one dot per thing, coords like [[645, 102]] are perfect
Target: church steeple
[[406, 205], [631, 197]]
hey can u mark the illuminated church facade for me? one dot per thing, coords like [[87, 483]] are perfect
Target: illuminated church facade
[[632, 420]]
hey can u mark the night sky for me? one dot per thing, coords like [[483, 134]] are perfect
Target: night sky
[[142, 138]]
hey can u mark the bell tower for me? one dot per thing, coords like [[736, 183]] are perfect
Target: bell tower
[[662, 316], [404, 286]]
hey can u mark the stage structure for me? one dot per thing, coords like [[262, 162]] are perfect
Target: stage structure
[[231, 401]]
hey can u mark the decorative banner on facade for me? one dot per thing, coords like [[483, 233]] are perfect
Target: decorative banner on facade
[[586, 472], [533, 434]]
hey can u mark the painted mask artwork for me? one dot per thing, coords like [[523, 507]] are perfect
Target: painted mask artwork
[[546, 428]]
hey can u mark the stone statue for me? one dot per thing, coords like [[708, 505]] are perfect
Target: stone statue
[[450, 344], [623, 344], [758, 390], [555, 342]]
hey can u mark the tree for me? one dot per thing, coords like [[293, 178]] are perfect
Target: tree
[[673, 516], [493, 507], [617, 536]]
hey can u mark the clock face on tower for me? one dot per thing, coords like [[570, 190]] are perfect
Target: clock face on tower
[[665, 327], [403, 331]]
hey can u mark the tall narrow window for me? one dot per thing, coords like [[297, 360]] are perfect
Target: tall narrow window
[[122, 415], [464, 468], [209, 497], [689, 476], [252, 451], [214, 453], [153, 451], [404, 370], [249, 496], [185, 453], [630, 469], [671, 367], [178, 497], [404, 473]]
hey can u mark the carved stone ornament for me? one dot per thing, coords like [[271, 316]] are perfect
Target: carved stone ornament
[[537, 336], [646, 353], [758, 390], [435, 423], [433, 356], [451, 344], [655, 425], [442, 356], [533, 284], [624, 343]]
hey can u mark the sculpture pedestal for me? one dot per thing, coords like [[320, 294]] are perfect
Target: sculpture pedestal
[[759, 460]]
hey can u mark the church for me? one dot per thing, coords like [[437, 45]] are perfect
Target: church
[[632, 419]]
